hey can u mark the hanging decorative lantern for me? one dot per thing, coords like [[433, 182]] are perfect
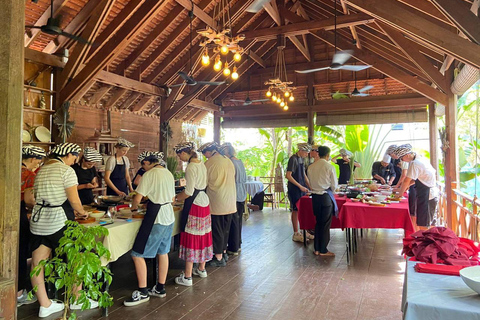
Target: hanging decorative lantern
[[234, 73], [280, 84]]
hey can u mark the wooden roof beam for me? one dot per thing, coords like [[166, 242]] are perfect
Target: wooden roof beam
[[99, 94], [142, 103], [204, 105], [395, 14], [117, 95], [255, 57], [129, 84], [352, 28], [130, 100], [198, 12], [40, 57], [34, 33]]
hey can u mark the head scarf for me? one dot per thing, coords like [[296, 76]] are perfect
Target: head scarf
[[33, 151], [184, 147], [224, 147], [402, 150], [150, 155], [65, 148], [345, 152], [209, 146], [391, 149], [92, 155], [125, 143], [315, 147], [304, 147], [386, 158]]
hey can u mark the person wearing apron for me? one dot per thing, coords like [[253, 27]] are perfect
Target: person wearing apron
[[421, 172], [117, 176], [87, 175], [154, 236], [196, 228], [344, 166], [298, 185], [57, 201], [32, 156]]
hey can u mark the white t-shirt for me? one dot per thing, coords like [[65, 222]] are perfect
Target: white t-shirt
[[322, 176], [221, 190], [404, 165], [110, 165], [49, 187], [196, 177], [159, 186], [421, 169]]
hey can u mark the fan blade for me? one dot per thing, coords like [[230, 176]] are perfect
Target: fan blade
[[354, 67], [176, 85], [185, 76], [257, 5], [75, 38], [311, 70], [338, 95], [334, 93], [366, 88], [33, 27], [362, 94], [342, 56], [260, 100], [211, 83], [236, 100]]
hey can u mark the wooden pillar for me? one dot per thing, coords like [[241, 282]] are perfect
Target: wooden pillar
[[432, 132], [451, 170], [216, 127], [12, 21], [311, 127], [311, 114], [162, 143]]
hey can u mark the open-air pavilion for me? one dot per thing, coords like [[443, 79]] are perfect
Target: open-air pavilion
[[122, 79]]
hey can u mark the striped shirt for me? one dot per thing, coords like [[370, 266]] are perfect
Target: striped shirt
[[50, 184]]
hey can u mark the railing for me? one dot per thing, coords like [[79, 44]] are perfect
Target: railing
[[466, 221]]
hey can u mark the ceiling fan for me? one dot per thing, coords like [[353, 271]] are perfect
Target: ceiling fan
[[188, 78], [355, 93], [339, 58], [248, 101], [53, 28]]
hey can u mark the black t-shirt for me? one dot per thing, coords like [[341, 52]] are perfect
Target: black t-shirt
[[344, 168], [85, 176], [140, 172], [294, 166], [384, 172]]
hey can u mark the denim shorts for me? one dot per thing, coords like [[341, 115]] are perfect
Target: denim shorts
[[158, 242]]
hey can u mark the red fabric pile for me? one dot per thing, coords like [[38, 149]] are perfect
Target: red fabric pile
[[441, 245], [438, 269]]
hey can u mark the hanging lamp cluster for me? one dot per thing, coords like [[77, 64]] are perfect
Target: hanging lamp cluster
[[221, 42], [279, 88]]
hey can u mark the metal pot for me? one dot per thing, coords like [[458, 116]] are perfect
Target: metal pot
[[353, 193], [110, 199]]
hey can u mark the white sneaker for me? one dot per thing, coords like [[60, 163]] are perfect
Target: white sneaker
[[56, 306], [200, 273], [298, 237], [78, 306], [181, 280], [309, 236]]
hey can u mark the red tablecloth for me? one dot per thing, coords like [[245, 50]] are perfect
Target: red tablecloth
[[305, 213], [359, 215]]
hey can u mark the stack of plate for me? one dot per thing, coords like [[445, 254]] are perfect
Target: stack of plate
[[42, 134]]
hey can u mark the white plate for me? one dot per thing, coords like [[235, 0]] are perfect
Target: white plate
[[26, 136], [43, 134]]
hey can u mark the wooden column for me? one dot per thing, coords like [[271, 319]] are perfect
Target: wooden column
[[216, 127], [12, 21], [162, 143], [451, 172], [311, 114], [311, 127], [432, 132]]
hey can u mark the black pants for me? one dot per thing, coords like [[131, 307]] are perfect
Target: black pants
[[220, 232], [23, 253], [235, 236], [412, 200], [424, 214], [323, 210]]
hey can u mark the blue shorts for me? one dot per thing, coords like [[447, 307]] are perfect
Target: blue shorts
[[158, 242]]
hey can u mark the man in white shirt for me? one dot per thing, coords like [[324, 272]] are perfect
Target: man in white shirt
[[323, 180]]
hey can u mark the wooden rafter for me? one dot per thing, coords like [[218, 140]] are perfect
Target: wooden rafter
[[117, 95], [130, 100], [142, 103], [44, 58], [34, 33], [99, 94], [426, 7], [395, 14], [198, 12], [352, 28], [129, 84]]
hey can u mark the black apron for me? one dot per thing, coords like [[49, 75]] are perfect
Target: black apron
[[186, 208], [423, 213], [85, 176], [147, 226], [118, 179], [67, 208]]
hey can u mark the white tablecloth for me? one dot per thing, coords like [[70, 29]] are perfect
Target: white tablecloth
[[254, 187], [437, 297]]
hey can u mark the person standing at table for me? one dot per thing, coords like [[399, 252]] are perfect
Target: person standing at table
[[235, 235], [422, 174], [196, 223], [313, 154], [117, 176], [155, 234], [383, 171], [323, 181], [298, 185], [222, 193], [344, 165], [32, 156], [87, 175], [138, 176]]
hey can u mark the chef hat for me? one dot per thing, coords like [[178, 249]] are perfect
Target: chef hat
[[304, 147], [403, 150], [390, 149], [386, 158], [345, 152], [91, 155], [315, 147], [227, 146], [29, 151], [209, 146], [124, 143], [185, 146], [150, 155], [65, 148]]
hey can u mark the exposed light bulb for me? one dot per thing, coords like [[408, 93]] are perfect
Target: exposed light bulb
[[269, 93], [234, 73], [224, 49], [282, 104], [279, 100], [217, 66], [205, 59], [226, 71], [285, 108], [286, 94], [274, 98], [291, 98], [237, 57]]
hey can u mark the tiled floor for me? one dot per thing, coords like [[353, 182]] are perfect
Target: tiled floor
[[275, 278]]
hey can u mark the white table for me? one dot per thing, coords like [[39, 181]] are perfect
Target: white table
[[254, 187], [437, 297]]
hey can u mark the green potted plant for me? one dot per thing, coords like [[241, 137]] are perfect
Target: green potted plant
[[82, 266]]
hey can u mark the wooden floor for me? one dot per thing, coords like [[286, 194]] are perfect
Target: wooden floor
[[274, 278]]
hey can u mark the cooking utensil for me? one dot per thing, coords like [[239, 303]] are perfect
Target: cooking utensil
[[26, 136], [43, 134], [110, 199]]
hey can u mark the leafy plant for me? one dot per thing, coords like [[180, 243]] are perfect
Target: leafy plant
[[82, 266], [172, 164], [60, 118]]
